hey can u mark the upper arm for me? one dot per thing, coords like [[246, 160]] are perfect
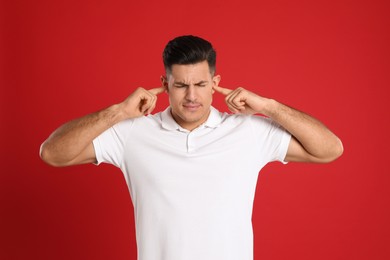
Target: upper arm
[[86, 156], [297, 153]]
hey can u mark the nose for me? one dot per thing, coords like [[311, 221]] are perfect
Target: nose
[[191, 93]]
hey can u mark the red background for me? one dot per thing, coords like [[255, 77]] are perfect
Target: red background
[[64, 59]]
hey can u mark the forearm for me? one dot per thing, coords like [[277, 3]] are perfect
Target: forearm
[[315, 138], [69, 142]]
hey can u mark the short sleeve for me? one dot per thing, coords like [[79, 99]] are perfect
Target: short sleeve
[[272, 139], [109, 146]]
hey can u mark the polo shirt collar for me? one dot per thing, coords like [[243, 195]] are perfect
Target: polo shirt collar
[[213, 121]]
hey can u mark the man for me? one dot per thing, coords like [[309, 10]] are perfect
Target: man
[[191, 170]]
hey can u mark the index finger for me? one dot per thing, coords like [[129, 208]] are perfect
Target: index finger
[[223, 91], [156, 91]]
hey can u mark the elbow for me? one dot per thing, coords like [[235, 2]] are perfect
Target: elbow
[[340, 148], [336, 151], [47, 156]]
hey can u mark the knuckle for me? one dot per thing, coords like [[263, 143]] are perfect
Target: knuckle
[[139, 90]]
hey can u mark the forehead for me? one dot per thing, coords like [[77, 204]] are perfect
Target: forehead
[[189, 72]]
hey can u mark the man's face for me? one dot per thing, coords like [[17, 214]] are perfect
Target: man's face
[[190, 90]]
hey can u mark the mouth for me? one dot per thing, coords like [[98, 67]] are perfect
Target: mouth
[[192, 106]]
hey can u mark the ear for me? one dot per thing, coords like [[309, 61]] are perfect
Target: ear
[[164, 82], [216, 80]]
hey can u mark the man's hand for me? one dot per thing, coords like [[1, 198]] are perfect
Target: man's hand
[[141, 102], [242, 101]]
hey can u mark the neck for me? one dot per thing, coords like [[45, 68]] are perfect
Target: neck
[[189, 125]]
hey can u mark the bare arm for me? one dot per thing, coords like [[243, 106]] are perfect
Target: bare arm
[[311, 140], [71, 143]]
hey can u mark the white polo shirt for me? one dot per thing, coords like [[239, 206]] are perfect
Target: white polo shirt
[[193, 191]]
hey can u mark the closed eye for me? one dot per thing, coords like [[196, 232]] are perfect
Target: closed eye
[[183, 85], [178, 85], [202, 84]]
